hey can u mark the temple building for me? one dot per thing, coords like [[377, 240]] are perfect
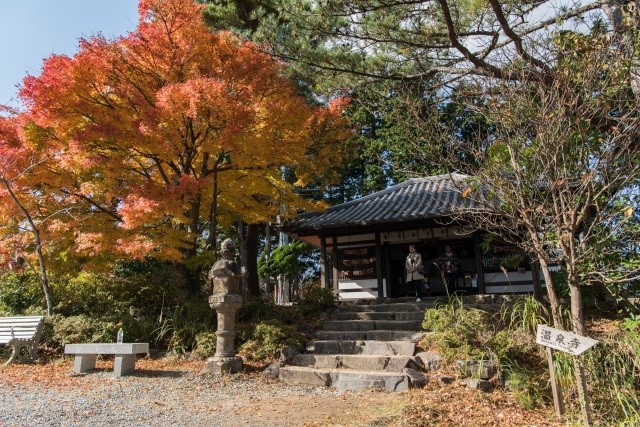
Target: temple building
[[364, 242]]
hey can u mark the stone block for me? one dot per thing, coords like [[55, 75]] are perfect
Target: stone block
[[399, 325], [482, 385], [309, 376], [398, 363], [84, 362], [341, 335], [353, 380], [363, 316], [334, 347], [349, 325], [388, 348], [364, 362], [223, 365], [415, 316], [272, 371], [228, 301], [429, 360], [287, 353], [483, 369], [416, 378], [320, 361], [446, 379]]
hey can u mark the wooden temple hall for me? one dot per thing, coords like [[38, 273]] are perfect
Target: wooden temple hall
[[364, 244]]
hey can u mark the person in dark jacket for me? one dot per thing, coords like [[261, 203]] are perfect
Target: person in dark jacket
[[448, 264]]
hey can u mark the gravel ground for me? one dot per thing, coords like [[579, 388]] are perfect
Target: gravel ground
[[51, 396]]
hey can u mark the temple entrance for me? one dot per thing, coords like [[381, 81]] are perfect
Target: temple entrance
[[432, 252]]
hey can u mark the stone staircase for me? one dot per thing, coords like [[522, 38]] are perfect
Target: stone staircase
[[364, 346]]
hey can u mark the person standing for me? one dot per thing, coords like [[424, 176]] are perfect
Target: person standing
[[448, 264], [414, 277]]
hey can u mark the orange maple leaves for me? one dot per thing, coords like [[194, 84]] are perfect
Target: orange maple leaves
[[136, 129]]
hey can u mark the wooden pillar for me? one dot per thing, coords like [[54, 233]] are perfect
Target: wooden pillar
[[387, 269], [379, 266], [334, 265], [478, 259], [324, 278], [535, 275]]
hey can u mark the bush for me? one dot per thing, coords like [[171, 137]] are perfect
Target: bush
[[269, 337], [178, 326], [459, 332], [205, 345], [19, 292], [79, 329], [316, 299]]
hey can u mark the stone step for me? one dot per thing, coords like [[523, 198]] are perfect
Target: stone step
[[377, 335], [371, 325], [378, 348], [356, 362], [381, 308], [373, 315], [346, 379]]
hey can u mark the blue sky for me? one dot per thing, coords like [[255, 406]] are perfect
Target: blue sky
[[31, 30]]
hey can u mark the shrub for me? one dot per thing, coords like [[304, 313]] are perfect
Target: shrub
[[269, 337], [205, 344], [80, 329], [18, 292], [316, 299], [179, 325], [459, 332]]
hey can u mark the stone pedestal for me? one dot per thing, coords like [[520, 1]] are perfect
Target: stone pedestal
[[225, 360]]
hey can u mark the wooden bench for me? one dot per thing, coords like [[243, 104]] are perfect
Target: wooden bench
[[23, 335], [125, 356]]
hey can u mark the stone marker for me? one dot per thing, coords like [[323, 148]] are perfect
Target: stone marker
[[226, 300]]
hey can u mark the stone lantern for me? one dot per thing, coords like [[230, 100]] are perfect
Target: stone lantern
[[226, 300]]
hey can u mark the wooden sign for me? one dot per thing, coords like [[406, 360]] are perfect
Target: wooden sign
[[563, 340]]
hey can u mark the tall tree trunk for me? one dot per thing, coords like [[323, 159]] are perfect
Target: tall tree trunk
[[283, 287], [551, 293], [242, 237], [577, 323], [267, 255], [194, 225], [253, 236], [212, 240], [44, 280]]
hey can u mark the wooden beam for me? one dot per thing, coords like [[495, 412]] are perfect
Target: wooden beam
[[478, 260], [387, 269], [537, 286], [379, 266], [334, 264], [324, 278]]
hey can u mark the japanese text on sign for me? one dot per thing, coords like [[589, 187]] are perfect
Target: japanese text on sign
[[563, 340]]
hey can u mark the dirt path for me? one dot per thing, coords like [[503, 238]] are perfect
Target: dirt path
[[170, 393], [175, 393]]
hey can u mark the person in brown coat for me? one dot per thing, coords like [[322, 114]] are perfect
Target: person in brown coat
[[414, 277]]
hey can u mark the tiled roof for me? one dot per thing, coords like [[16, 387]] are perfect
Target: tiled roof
[[415, 199]]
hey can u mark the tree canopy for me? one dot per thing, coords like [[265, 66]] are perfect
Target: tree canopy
[[157, 136]]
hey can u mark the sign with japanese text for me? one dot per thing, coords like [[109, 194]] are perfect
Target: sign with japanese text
[[563, 340]]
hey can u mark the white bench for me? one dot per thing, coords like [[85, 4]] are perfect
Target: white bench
[[23, 335], [125, 356]]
